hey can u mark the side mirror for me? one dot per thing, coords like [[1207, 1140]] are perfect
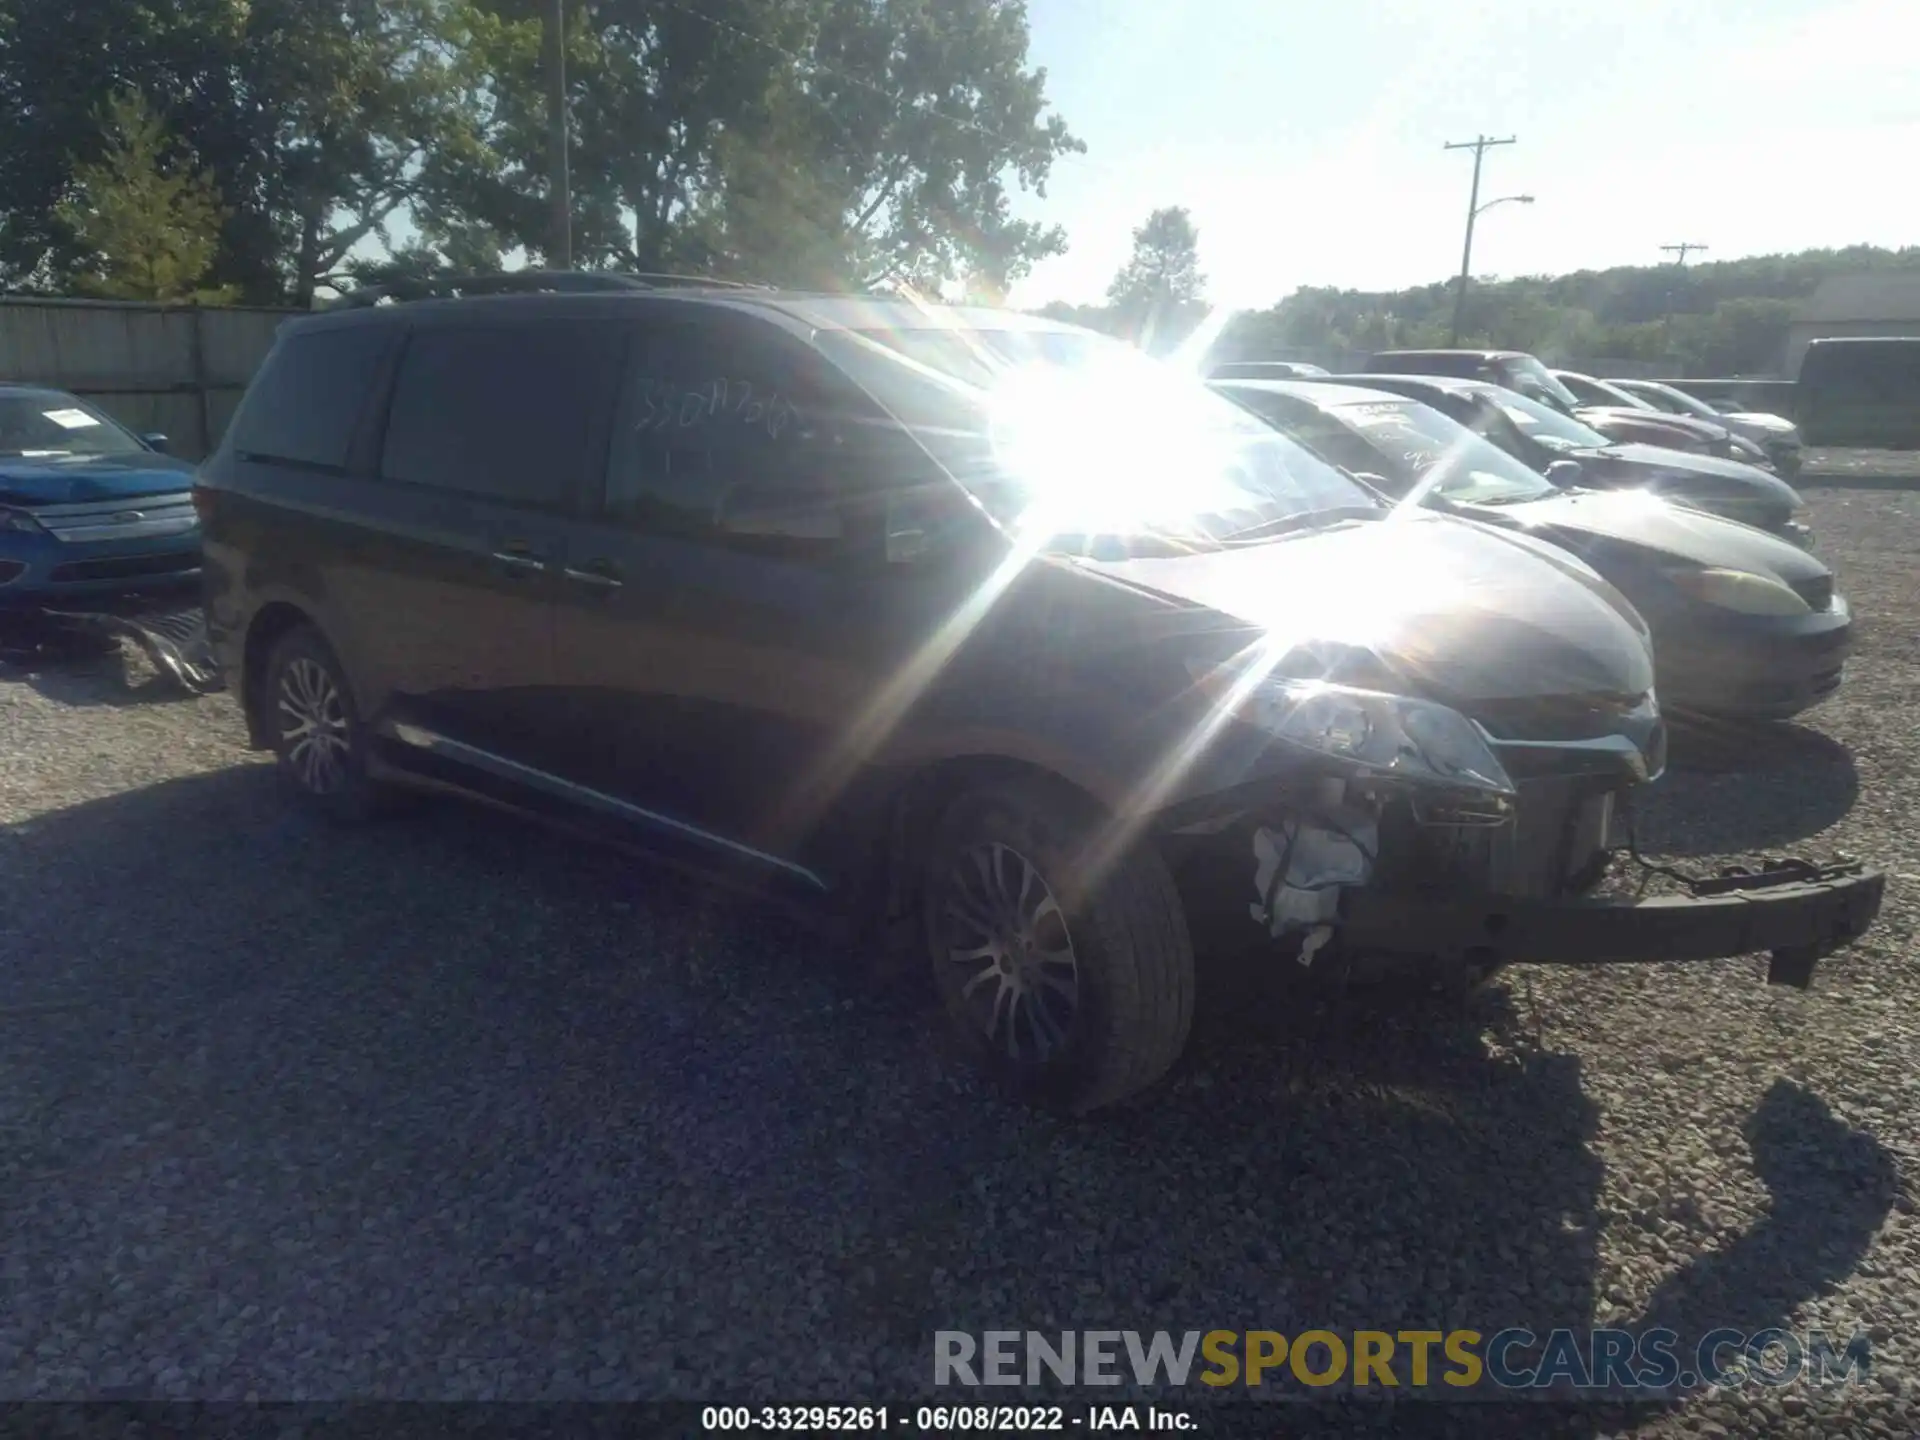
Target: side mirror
[[1562, 474], [155, 440]]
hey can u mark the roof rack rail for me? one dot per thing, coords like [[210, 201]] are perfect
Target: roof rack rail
[[521, 282], [662, 277]]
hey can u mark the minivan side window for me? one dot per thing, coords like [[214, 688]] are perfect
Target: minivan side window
[[506, 412], [307, 401], [715, 411]]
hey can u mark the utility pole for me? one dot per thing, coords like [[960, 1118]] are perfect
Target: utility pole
[[560, 243], [1479, 145], [1682, 251]]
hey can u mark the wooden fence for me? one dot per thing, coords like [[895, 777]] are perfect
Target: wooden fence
[[179, 369]]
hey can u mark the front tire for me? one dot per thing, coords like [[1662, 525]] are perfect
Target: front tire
[[319, 742], [1071, 990]]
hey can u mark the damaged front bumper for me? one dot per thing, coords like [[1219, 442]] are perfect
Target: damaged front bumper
[[1357, 886], [1796, 911]]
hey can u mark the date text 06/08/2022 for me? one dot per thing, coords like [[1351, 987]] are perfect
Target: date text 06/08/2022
[[942, 1419]]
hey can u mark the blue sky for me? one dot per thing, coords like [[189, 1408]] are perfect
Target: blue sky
[[1305, 135]]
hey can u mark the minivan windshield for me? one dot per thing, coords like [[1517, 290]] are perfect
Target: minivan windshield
[[1677, 402], [1532, 379], [1076, 435], [1545, 425], [1420, 447], [48, 424]]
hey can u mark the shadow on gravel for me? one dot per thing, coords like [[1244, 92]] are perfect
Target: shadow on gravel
[[1832, 1189], [470, 1110], [1708, 802]]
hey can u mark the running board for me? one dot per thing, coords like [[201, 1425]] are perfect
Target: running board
[[431, 742]]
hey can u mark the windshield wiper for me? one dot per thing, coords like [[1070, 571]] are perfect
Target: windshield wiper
[[1299, 520], [1507, 498]]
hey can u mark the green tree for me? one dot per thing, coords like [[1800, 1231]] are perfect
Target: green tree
[[57, 64], [146, 221], [829, 142], [346, 107], [1157, 298], [316, 120], [1742, 336], [922, 112], [1164, 269]]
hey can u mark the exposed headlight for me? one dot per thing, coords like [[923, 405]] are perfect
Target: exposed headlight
[[1740, 591], [20, 522], [1391, 735]]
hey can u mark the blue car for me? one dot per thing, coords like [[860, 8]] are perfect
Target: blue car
[[88, 510]]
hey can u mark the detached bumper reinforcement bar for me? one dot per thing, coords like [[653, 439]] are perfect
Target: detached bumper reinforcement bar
[[1795, 918], [175, 640]]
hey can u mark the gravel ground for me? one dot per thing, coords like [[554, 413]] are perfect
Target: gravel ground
[[450, 1107], [1854, 467]]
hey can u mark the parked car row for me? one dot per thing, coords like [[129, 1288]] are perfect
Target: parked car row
[[1049, 669], [1774, 439], [1744, 623], [1539, 436], [1620, 417]]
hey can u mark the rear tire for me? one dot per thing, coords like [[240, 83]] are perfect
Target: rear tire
[[1071, 992], [319, 741]]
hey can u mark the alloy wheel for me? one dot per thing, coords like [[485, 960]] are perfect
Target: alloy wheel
[[1001, 924], [314, 735]]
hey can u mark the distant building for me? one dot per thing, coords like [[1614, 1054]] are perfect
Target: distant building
[[1884, 302]]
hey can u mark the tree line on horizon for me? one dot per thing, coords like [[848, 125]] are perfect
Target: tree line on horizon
[[1721, 317]]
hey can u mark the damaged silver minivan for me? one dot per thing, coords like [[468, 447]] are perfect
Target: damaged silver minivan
[[1036, 656]]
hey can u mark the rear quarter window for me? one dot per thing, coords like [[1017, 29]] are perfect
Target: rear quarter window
[[304, 405]]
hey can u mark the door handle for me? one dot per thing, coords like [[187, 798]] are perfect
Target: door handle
[[517, 558], [596, 574]]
